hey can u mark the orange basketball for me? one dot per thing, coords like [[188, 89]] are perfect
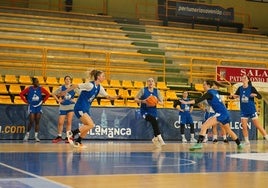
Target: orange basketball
[[151, 101]]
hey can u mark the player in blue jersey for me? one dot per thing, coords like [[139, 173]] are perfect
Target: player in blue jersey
[[185, 117], [33, 96], [88, 92], [66, 108], [221, 114], [149, 113], [209, 112], [246, 93]]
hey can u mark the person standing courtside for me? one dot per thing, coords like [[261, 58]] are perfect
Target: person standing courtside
[[88, 92], [185, 117], [246, 93], [66, 108], [32, 96], [149, 113]]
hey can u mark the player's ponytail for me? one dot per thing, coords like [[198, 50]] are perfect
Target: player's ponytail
[[95, 73], [249, 81]]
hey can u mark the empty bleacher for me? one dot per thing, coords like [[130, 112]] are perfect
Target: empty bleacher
[[51, 47]]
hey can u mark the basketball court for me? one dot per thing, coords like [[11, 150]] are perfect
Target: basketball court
[[132, 164]]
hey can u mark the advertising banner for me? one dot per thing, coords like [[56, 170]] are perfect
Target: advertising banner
[[111, 123], [204, 11], [233, 74]]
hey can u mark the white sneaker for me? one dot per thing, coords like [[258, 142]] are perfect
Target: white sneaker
[[69, 135], [205, 140], [247, 142], [161, 142], [26, 137], [79, 145], [156, 142], [184, 140], [193, 140], [37, 139]]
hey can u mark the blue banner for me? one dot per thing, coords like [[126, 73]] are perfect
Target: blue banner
[[204, 11], [110, 123]]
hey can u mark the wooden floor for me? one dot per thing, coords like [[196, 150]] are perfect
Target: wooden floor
[[129, 164]]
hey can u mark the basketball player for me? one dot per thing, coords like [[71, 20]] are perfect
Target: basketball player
[[246, 94], [221, 114], [185, 116], [149, 113], [88, 92], [35, 100], [66, 108]]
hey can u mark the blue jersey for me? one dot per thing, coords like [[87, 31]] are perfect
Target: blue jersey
[[247, 105], [68, 98], [34, 95], [185, 115], [85, 99], [213, 98], [145, 109]]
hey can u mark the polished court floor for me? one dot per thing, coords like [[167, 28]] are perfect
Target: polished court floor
[[132, 164]]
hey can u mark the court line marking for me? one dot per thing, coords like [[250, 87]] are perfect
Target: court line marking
[[33, 175], [250, 156]]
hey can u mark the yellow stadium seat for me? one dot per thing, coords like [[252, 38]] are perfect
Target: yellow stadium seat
[[14, 89], [134, 92], [51, 80], [25, 79], [132, 103], [105, 102], [74, 80], [127, 84], [171, 95], [11, 78], [5, 99], [119, 102], [115, 83], [111, 92], [1, 79], [77, 80], [105, 83], [124, 93], [138, 84], [41, 80], [18, 100], [199, 87], [95, 103], [162, 85], [3, 89], [51, 101]]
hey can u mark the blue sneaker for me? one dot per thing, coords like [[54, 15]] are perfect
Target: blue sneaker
[[196, 146]]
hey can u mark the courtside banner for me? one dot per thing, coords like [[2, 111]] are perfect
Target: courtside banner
[[111, 123], [234, 74], [204, 11]]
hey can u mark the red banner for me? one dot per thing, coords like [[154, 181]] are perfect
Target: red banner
[[234, 74]]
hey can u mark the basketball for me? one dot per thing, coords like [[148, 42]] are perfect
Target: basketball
[[151, 101]]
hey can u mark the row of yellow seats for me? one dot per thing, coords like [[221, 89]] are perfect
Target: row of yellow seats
[[6, 99], [131, 84], [17, 88], [25, 79], [50, 80]]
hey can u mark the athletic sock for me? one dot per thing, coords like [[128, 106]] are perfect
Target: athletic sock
[[237, 141], [200, 138], [78, 140], [75, 132]]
